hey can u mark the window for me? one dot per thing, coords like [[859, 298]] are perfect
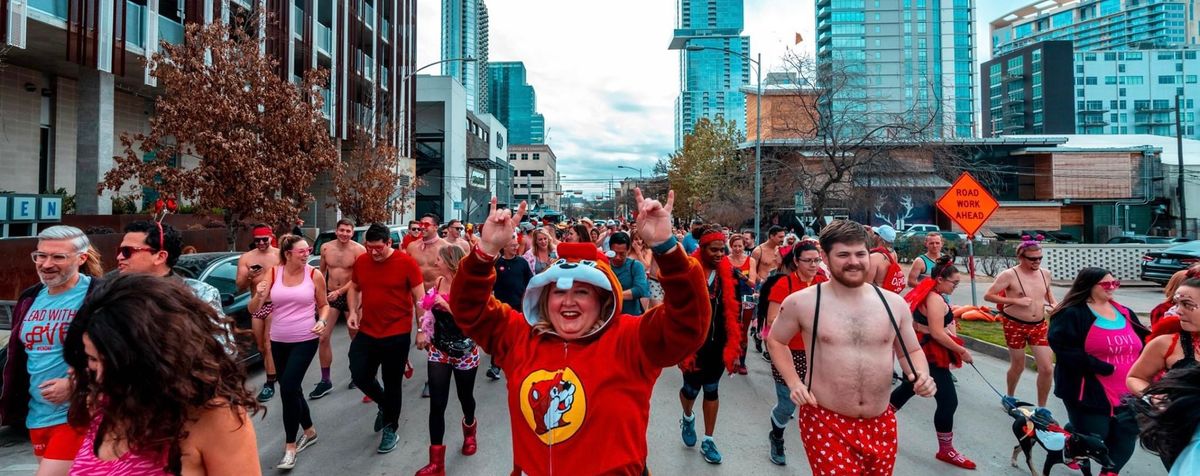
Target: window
[[524, 156], [512, 156], [537, 156], [1166, 80]]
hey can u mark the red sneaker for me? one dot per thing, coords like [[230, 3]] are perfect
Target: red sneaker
[[366, 399], [955, 458], [408, 370]]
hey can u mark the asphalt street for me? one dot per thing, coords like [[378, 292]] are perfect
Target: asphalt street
[[347, 444]]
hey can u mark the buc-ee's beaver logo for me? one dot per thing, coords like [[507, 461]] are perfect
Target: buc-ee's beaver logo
[[554, 404]]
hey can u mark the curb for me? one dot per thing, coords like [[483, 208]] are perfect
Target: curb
[[993, 350]]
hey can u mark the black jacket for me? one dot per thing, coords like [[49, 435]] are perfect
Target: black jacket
[[1075, 371]]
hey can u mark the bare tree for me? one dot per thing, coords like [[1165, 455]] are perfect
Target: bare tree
[[849, 151]]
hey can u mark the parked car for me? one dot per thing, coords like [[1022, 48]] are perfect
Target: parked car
[[1158, 266], [397, 233], [921, 228], [1144, 240], [219, 270]]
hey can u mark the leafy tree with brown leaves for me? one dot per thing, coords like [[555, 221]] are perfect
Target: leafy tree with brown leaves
[[257, 142], [371, 185], [709, 175]]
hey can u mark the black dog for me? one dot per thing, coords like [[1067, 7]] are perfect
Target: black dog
[[1061, 445]]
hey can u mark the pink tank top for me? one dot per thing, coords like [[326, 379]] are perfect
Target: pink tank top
[[295, 308], [1118, 347], [128, 464]]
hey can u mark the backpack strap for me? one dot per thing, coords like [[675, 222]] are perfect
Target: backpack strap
[[896, 327], [812, 357]]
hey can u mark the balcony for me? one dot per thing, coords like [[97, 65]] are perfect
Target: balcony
[[170, 31], [1011, 76], [1152, 108], [54, 8], [135, 24], [1093, 122], [324, 39]]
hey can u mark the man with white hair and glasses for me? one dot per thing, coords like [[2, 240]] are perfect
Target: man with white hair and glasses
[[37, 387]]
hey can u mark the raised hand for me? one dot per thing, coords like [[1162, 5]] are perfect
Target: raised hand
[[654, 218], [499, 230]]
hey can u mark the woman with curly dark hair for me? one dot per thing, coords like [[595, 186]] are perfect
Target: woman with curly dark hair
[[1170, 424], [158, 394]]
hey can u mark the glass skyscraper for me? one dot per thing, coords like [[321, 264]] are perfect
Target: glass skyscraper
[[709, 79], [903, 57], [465, 35], [514, 102], [1098, 25]]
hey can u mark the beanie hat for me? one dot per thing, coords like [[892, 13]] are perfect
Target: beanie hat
[[578, 262]]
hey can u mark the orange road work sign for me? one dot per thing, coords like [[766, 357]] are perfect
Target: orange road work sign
[[968, 204]]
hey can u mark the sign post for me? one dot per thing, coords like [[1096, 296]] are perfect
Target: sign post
[[969, 205]]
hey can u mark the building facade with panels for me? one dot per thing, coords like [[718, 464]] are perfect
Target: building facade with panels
[[514, 102], [1134, 92], [69, 96], [1015, 87], [1098, 24], [535, 175], [912, 58], [710, 79], [465, 35]]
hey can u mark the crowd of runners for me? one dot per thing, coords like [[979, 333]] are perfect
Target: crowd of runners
[[136, 371]]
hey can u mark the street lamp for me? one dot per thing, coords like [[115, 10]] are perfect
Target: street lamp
[[467, 199], [639, 171], [757, 129]]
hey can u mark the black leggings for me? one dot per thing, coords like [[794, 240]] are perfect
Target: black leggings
[[946, 397], [439, 394], [291, 363], [1119, 432]]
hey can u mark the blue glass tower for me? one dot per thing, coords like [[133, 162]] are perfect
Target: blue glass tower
[[709, 80], [465, 35], [513, 101]]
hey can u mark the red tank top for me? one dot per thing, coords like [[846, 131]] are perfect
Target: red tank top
[[745, 267], [894, 279]]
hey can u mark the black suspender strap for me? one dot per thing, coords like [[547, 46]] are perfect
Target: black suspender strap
[[813, 347], [896, 327]]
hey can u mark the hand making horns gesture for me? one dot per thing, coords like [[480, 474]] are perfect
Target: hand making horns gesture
[[654, 218], [498, 229]]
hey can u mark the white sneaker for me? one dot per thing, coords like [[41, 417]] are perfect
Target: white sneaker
[[305, 441], [288, 461]]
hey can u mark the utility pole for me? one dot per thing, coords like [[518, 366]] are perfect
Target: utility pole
[[1183, 230]]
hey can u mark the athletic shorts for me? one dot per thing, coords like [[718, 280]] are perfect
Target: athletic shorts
[[340, 304], [58, 442], [1017, 333], [838, 445]]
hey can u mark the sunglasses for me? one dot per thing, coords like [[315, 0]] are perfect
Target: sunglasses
[[1033, 258], [300, 251], [1110, 285], [263, 239], [458, 228], [124, 252], [414, 229]]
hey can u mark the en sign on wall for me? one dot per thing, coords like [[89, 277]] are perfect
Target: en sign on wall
[[968, 204]]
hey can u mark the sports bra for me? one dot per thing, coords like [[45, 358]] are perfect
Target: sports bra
[[87, 462], [1189, 350], [920, 318]]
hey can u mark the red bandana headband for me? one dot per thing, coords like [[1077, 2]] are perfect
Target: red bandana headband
[[711, 237], [263, 231]]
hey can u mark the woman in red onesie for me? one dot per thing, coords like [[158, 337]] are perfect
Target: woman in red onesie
[[581, 372]]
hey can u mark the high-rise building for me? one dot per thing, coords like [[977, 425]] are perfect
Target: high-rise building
[[1015, 87], [74, 79], [1099, 25], [713, 63], [906, 57], [465, 35], [535, 175], [514, 102]]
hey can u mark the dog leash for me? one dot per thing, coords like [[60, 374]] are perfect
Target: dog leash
[[985, 380]]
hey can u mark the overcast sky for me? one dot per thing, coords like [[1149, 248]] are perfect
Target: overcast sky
[[606, 82]]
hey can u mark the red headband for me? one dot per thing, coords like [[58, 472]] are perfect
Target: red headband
[[263, 231], [711, 237]]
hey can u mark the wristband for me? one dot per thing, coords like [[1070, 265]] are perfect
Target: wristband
[[483, 255], [666, 246]]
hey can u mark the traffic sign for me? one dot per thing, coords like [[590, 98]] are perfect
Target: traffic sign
[[968, 204]]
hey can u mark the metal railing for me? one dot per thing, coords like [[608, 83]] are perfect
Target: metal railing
[[324, 38]]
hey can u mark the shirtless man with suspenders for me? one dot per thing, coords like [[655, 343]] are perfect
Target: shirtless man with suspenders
[[1024, 293], [846, 423]]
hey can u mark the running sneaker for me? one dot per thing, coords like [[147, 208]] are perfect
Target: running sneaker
[[366, 399], [322, 389], [494, 373], [352, 386], [709, 450], [777, 455], [288, 461], [688, 428], [305, 441], [388, 441], [266, 393], [425, 390], [955, 458], [766, 356], [408, 370]]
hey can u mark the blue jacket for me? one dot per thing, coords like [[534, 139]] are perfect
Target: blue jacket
[[632, 276]]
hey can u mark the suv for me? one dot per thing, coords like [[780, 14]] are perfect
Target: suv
[[921, 228]]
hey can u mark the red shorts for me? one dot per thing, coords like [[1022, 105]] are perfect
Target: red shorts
[[1018, 334], [838, 445], [58, 442]]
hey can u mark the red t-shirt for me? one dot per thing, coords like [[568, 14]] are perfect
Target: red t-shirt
[[387, 298], [784, 288]]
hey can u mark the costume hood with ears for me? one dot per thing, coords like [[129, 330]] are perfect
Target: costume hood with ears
[[730, 307], [578, 262]]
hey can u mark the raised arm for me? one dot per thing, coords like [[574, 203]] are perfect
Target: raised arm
[[480, 315], [670, 332]]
